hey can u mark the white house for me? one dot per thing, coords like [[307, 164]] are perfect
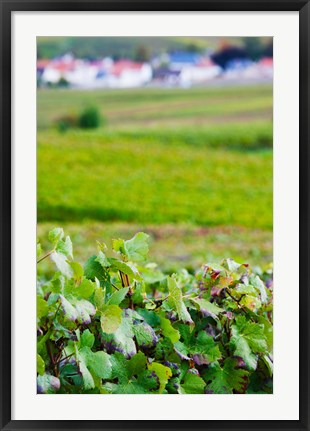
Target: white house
[[198, 73], [127, 74]]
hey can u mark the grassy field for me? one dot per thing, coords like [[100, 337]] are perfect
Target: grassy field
[[85, 176], [191, 167], [149, 107]]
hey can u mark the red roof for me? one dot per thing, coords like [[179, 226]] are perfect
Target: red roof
[[120, 66], [63, 66], [205, 62], [266, 61], [41, 64]]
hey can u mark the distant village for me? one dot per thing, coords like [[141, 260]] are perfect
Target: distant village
[[176, 69]]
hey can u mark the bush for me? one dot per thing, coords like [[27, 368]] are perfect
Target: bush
[[63, 83], [114, 326], [66, 122], [89, 118]]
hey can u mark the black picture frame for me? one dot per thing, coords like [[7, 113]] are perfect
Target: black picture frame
[[6, 8]]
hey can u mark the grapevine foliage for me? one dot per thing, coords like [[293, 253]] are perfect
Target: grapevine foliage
[[118, 325]]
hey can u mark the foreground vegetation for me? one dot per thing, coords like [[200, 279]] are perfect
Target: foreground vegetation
[[121, 326]]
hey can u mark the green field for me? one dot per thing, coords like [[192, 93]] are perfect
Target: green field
[[168, 107], [191, 167]]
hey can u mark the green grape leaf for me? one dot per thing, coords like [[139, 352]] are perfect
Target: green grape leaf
[[182, 350], [41, 343], [56, 235], [70, 372], [251, 302], [231, 265], [244, 289], [137, 248], [204, 350], [259, 285], [57, 283], [150, 317], [122, 339], [85, 289], [148, 380], [98, 362], [42, 307], [65, 247], [80, 310], [268, 330], [145, 335], [117, 297], [136, 364], [47, 384], [99, 298], [186, 334], [269, 364], [61, 263], [88, 379], [119, 367], [201, 347], [152, 275], [118, 246], [78, 271], [126, 268], [69, 310], [85, 311], [192, 384], [111, 318], [177, 299], [39, 249], [93, 270], [130, 387], [163, 373], [40, 365], [87, 339], [227, 379], [138, 293], [123, 370], [248, 339], [168, 330], [103, 260], [207, 308], [150, 306]]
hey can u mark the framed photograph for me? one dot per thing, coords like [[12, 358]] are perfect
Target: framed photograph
[[154, 215]]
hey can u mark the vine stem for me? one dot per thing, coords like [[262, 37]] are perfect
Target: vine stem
[[126, 283], [235, 299], [114, 286], [57, 310], [63, 359], [44, 257]]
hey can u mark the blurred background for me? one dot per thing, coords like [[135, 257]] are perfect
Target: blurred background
[[170, 136]]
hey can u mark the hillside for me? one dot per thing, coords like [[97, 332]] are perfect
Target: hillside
[[138, 48]]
